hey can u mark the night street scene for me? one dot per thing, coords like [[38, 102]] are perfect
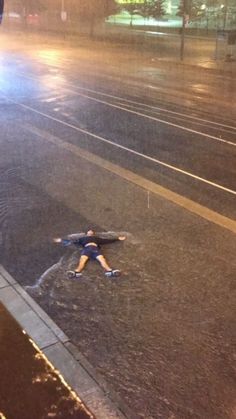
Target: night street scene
[[118, 209]]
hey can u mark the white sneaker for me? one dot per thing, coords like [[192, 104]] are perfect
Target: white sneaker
[[114, 272], [73, 274]]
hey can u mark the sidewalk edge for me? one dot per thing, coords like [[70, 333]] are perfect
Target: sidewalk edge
[[62, 354]]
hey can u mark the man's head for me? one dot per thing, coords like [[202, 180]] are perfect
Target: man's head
[[90, 233]]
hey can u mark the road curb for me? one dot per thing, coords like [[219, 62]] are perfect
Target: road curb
[[62, 354]]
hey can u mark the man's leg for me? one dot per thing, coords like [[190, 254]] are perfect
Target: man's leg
[[82, 262], [103, 263], [108, 269], [77, 272]]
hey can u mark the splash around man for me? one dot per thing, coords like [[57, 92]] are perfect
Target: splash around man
[[90, 243]]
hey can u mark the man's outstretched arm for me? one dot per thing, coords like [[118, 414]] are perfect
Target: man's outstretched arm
[[103, 240], [66, 241]]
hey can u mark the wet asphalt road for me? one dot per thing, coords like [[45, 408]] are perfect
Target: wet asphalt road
[[163, 335]]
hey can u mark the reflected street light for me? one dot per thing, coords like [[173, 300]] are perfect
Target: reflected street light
[[63, 12]]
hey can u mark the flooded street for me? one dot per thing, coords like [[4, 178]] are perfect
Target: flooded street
[[82, 150]]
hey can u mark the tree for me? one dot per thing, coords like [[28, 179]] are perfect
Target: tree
[[156, 8], [95, 10], [153, 8], [192, 8], [144, 9], [197, 9], [132, 8], [184, 8]]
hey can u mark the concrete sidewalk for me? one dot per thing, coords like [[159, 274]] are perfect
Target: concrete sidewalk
[[29, 386], [17, 352]]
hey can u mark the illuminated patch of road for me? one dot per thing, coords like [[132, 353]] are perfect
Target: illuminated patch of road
[[125, 104]]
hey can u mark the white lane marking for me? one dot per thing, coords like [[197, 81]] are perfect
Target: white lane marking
[[218, 124], [137, 180], [98, 137], [202, 122], [153, 118], [199, 133], [153, 107]]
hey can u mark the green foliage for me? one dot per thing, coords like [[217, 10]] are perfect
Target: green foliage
[[144, 9], [132, 8], [199, 8], [156, 8], [193, 8], [182, 9]]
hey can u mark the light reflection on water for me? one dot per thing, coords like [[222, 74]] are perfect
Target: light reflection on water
[[43, 378], [49, 56]]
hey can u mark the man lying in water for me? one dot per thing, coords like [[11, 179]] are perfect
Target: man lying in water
[[90, 244]]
